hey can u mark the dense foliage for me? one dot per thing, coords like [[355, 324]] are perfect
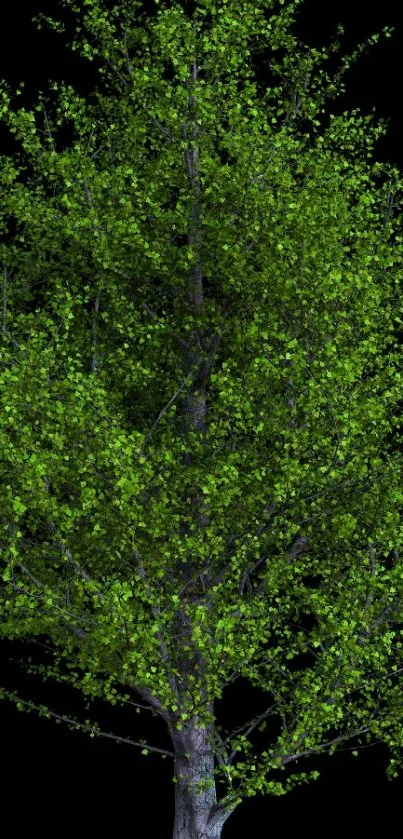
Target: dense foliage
[[199, 376]]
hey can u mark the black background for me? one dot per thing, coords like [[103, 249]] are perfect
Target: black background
[[58, 779]]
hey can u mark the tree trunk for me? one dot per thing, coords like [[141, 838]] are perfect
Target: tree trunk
[[197, 815]]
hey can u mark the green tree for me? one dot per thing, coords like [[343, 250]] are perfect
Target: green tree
[[194, 419]]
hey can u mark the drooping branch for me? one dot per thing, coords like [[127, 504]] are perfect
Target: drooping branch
[[91, 728]]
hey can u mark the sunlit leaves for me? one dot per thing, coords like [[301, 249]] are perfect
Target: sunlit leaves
[[101, 527]]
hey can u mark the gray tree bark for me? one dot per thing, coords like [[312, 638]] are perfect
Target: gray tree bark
[[197, 814]]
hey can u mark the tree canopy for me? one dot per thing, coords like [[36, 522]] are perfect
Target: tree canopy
[[200, 371]]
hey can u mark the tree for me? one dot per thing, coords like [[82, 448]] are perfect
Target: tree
[[194, 415]]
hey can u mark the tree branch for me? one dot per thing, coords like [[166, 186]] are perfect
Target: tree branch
[[84, 727], [322, 747]]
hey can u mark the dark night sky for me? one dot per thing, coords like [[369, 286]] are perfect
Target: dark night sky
[[352, 793]]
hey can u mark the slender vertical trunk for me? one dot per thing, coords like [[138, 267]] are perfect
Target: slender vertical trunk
[[197, 815]]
